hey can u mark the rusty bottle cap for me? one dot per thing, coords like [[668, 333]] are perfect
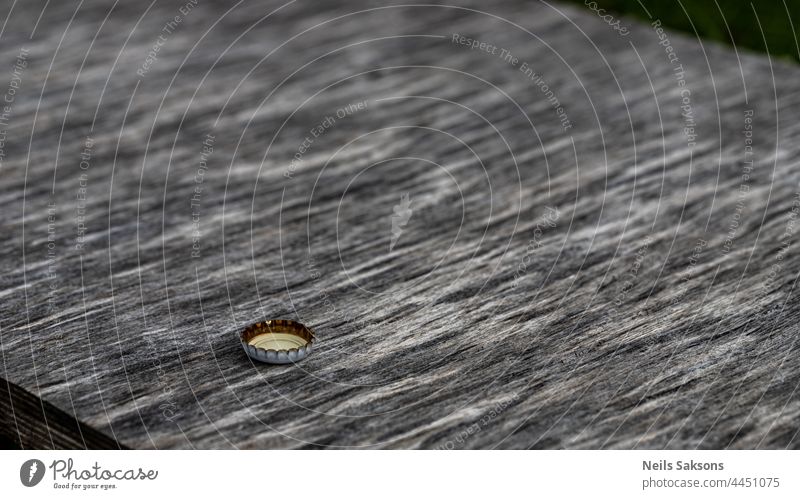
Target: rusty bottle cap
[[279, 341]]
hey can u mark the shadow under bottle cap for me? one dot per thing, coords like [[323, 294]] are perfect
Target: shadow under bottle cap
[[279, 341]]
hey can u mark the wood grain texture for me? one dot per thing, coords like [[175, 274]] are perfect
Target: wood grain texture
[[29, 422], [565, 274]]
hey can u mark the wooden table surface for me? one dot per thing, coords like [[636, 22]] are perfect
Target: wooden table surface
[[510, 224]]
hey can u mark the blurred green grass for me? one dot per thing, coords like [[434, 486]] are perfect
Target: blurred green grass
[[772, 28]]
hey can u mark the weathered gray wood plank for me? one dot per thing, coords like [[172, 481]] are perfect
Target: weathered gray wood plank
[[569, 275]]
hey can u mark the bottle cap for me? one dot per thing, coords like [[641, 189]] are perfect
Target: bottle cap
[[279, 341]]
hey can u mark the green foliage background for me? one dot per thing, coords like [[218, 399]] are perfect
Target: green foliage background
[[763, 25]]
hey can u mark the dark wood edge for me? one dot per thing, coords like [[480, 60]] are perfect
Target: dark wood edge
[[29, 422]]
